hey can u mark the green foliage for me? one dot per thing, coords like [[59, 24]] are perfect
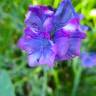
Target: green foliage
[[53, 3], [59, 81], [6, 87]]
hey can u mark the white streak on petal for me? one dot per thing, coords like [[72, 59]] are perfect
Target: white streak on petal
[[69, 27], [33, 59], [28, 15]]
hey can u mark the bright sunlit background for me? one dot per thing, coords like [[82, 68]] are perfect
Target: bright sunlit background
[[66, 78]]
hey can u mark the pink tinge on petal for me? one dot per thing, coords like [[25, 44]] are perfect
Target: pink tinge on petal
[[45, 35], [40, 9], [75, 21], [72, 25]]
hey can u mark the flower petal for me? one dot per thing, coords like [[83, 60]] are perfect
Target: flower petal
[[72, 25], [33, 59], [48, 25], [74, 45], [33, 21], [88, 60], [64, 13], [41, 11], [30, 45], [62, 47], [47, 57], [29, 34]]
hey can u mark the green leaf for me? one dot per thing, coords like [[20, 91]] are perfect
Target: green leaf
[[6, 87], [56, 3]]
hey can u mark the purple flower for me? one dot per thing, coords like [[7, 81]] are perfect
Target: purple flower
[[36, 39], [88, 60], [50, 36], [69, 33], [68, 40]]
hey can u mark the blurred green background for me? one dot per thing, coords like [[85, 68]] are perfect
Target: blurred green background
[[65, 79]]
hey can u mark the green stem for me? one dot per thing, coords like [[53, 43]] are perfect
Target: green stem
[[76, 81], [44, 83]]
